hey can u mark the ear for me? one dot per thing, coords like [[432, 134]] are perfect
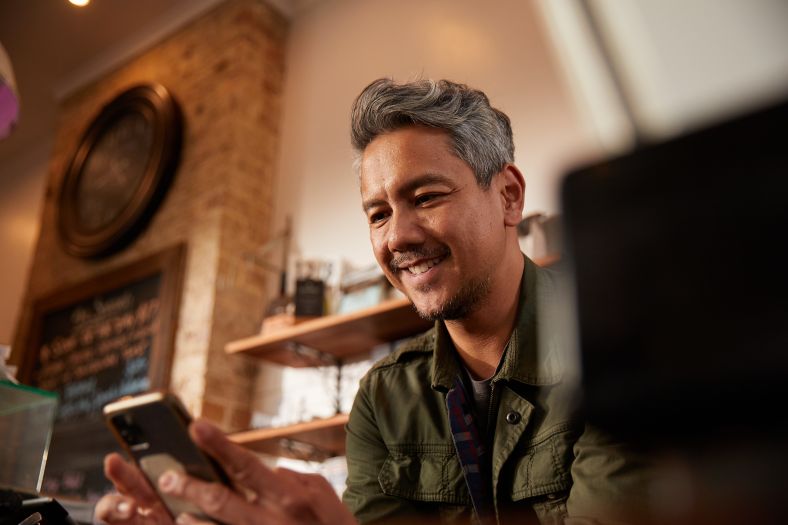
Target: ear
[[511, 187]]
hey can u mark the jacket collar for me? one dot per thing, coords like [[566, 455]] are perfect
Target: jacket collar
[[525, 359]]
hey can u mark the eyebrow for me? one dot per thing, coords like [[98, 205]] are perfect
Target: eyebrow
[[409, 187]]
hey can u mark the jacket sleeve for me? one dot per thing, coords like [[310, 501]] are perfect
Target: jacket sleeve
[[611, 481], [366, 453]]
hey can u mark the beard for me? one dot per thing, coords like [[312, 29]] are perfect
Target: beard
[[467, 300], [463, 303]]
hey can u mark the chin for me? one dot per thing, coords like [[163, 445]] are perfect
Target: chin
[[444, 311], [429, 315], [426, 309], [459, 305]]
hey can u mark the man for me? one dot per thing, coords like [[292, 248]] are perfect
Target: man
[[472, 418], [470, 421]]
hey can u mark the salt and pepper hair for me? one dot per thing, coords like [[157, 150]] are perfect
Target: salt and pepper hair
[[480, 134]]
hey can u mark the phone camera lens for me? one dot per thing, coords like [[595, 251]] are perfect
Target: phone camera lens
[[130, 432]]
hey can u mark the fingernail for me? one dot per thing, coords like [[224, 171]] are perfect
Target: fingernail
[[124, 508], [183, 519], [168, 481]]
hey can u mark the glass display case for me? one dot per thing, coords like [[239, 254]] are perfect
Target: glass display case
[[26, 418]]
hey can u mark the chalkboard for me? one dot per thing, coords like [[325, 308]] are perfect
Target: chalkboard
[[92, 343]]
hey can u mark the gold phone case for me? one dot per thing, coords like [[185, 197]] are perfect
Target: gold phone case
[[153, 429]]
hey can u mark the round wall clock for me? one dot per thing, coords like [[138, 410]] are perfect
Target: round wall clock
[[120, 171]]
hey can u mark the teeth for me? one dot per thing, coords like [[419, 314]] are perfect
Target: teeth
[[423, 267]]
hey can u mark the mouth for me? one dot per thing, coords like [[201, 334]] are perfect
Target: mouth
[[418, 266], [421, 270], [423, 266]]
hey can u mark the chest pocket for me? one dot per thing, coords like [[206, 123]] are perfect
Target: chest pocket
[[429, 473], [543, 468]]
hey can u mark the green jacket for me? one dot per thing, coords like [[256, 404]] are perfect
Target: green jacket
[[546, 463]]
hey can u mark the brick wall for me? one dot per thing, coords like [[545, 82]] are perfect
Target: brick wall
[[225, 69]]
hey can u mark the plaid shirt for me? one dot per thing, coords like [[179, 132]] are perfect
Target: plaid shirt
[[471, 451]]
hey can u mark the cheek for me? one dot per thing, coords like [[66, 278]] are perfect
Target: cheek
[[377, 240], [439, 226], [476, 232]]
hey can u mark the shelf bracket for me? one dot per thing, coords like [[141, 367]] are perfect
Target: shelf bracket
[[312, 354], [304, 451]]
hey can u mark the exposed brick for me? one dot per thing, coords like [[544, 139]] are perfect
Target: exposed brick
[[226, 71], [240, 418], [214, 412]]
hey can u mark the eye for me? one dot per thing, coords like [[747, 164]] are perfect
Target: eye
[[377, 217], [425, 198]]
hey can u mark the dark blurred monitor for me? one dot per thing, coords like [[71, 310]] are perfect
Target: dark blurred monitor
[[679, 259], [679, 256]]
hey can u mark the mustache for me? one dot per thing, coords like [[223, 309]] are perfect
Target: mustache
[[409, 257]]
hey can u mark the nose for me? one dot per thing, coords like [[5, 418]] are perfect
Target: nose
[[404, 231]]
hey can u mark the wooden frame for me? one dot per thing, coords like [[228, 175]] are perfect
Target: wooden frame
[[168, 264], [159, 111]]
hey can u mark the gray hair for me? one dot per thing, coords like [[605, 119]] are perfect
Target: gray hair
[[480, 134]]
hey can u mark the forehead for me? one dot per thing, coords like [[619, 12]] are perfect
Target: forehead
[[395, 158]]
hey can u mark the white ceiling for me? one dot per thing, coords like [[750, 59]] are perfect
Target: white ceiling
[[55, 47]]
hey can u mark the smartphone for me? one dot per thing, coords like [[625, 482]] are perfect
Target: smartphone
[[153, 430]]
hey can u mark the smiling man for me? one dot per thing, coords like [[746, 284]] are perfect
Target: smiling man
[[449, 243], [470, 420]]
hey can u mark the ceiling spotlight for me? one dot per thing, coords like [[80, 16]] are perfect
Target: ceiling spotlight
[[80, 3]]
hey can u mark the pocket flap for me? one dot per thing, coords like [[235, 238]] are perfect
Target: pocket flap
[[545, 467], [430, 474]]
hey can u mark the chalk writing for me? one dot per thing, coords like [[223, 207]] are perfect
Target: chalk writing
[[98, 350]]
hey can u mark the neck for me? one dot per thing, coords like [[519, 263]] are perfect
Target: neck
[[481, 337]]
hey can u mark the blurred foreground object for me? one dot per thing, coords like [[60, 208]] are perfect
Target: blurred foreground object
[[681, 269], [9, 96], [26, 417]]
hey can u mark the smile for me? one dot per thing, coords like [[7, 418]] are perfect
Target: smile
[[420, 268]]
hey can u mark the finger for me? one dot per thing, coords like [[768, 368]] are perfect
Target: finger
[[188, 519], [297, 501], [215, 499], [316, 498], [129, 480], [243, 467], [116, 509], [324, 502]]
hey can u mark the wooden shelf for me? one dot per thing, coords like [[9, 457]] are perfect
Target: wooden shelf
[[316, 439], [338, 335]]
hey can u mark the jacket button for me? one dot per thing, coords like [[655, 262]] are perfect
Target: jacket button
[[513, 417]]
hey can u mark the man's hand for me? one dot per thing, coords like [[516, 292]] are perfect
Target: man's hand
[[269, 496], [135, 503]]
